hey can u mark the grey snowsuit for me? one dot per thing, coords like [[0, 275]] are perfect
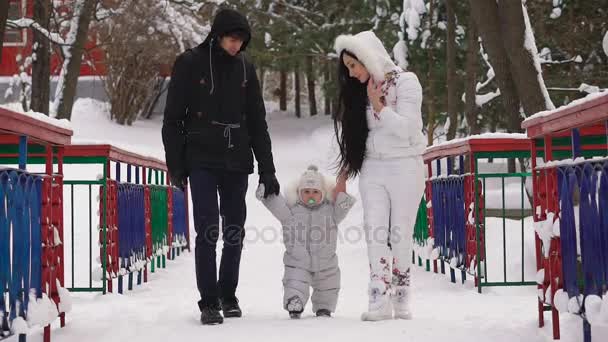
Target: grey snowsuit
[[310, 237]]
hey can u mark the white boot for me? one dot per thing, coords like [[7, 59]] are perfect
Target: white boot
[[401, 302], [379, 303]]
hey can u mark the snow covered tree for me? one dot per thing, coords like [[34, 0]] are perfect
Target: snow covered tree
[[302, 32], [65, 94], [68, 29], [569, 36], [471, 68], [423, 38], [41, 58], [523, 57], [139, 44], [452, 84], [4, 5], [508, 38]]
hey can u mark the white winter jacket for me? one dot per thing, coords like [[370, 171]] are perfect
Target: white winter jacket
[[310, 235], [396, 131]]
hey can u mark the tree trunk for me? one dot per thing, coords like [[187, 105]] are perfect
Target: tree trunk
[[472, 63], [283, 91], [429, 88], [527, 79], [451, 70], [326, 93], [3, 18], [159, 89], [335, 105], [485, 13], [41, 68], [67, 84], [310, 78], [296, 78], [262, 71]]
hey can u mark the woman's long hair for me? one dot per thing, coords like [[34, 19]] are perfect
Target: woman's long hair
[[350, 122]]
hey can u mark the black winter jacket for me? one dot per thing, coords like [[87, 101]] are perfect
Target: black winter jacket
[[215, 115]]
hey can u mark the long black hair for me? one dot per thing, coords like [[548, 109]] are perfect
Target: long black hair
[[350, 122]]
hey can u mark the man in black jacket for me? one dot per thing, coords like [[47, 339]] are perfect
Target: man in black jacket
[[214, 119]]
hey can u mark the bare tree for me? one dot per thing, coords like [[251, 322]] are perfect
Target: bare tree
[[68, 77], [4, 5], [283, 90], [262, 77], [503, 29], [41, 63], [310, 78], [298, 106], [487, 21], [431, 117], [472, 63], [452, 81], [134, 55], [518, 43], [158, 89], [327, 82]]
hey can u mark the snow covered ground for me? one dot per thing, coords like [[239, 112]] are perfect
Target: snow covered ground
[[165, 308]]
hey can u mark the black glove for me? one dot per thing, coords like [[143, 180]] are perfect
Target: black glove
[[271, 184], [179, 181]]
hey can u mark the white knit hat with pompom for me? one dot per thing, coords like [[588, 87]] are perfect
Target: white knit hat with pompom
[[312, 179]]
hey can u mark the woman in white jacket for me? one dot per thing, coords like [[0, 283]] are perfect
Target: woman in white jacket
[[379, 132]]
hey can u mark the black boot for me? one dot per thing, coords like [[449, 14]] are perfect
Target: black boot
[[323, 313], [295, 314], [230, 308], [210, 314]]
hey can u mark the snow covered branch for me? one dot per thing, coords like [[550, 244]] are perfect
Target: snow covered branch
[[27, 23], [301, 10], [545, 58]]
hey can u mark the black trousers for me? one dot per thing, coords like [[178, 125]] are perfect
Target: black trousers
[[205, 185]]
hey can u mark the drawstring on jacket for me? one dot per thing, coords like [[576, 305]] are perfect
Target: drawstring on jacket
[[227, 130], [211, 69], [244, 73]]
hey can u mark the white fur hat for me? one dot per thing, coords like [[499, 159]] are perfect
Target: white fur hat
[[369, 51]]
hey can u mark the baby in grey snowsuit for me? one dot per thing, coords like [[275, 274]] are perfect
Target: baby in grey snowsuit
[[310, 219]]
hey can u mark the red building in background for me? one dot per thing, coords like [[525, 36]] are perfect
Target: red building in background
[[19, 43]]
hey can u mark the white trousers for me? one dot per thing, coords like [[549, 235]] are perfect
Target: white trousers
[[390, 192]]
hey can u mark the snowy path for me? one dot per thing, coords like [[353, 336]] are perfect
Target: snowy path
[[165, 308]]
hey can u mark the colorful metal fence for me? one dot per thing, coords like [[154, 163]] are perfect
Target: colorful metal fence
[[137, 217], [570, 194], [31, 223], [456, 206]]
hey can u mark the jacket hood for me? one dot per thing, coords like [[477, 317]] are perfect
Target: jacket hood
[[369, 51], [227, 20]]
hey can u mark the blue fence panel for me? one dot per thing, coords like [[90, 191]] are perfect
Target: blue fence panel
[[131, 224], [179, 216], [566, 181], [590, 181], [449, 220], [20, 225], [439, 213]]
